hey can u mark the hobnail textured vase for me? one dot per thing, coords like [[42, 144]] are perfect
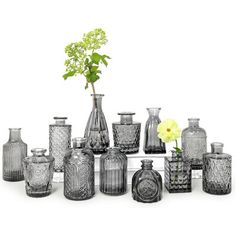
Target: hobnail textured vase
[[96, 131], [14, 151], [216, 172], [194, 143], [152, 143], [126, 133], [38, 172], [79, 171], [113, 172], [147, 184], [178, 174]]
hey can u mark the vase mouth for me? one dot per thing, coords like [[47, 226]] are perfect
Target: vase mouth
[[97, 95], [15, 129], [60, 118], [153, 108], [126, 113]]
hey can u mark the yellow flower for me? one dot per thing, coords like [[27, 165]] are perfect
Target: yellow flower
[[168, 131]]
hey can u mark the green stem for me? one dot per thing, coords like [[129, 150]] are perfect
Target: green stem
[[94, 97], [176, 143]]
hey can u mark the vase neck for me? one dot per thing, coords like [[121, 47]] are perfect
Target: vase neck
[[15, 134], [193, 122], [60, 120], [126, 118], [79, 143], [217, 148], [97, 101], [38, 152], [147, 164], [153, 112], [176, 155]]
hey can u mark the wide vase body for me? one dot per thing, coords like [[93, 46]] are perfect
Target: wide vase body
[[79, 172], [178, 174], [126, 133], [152, 143], [113, 172], [147, 184], [216, 172], [194, 143], [38, 172], [14, 151], [96, 131]]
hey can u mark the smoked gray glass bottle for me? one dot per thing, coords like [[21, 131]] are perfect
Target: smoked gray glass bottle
[[216, 172], [79, 171], [14, 151], [194, 143]]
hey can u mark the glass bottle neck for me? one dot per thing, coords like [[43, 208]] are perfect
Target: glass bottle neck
[[217, 148], [147, 164], [97, 101], [38, 152], [60, 120], [193, 122], [15, 135], [153, 112], [79, 143]]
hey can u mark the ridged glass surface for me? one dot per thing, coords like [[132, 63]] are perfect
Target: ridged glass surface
[[38, 172], [79, 174], [96, 131], [178, 176], [152, 143], [113, 172], [14, 151], [147, 184]]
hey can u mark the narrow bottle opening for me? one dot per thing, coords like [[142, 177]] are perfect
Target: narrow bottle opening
[[60, 120], [79, 142], [217, 147], [126, 118], [38, 151], [147, 164], [193, 122]]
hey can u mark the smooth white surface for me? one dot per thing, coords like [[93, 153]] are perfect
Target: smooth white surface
[[179, 55]]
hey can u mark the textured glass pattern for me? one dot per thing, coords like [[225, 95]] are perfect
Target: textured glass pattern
[[216, 172], [38, 172], [126, 133], [152, 143], [178, 176], [96, 131], [147, 184], [79, 172], [113, 172], [194, 143], [59, 141], [14, 151]]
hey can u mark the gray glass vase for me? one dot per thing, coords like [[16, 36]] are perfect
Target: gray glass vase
[[126, 133], [152, 143], [96, 131], [178, 174], [194, 143], [38, 172], [79, 171], [14, 151], [147, 184], [216, 172], [113, 172]]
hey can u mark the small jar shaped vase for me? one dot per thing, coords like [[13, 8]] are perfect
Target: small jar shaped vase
[[126, 133], [178, 174], [152, 143], [38, 172], [194, 143], [113, 172], [14, 151], [147, 184], [79, 171], [216, 171]]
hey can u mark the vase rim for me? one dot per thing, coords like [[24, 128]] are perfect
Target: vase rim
[[97, 95], [126, 113], [15, 129], [153, 108]]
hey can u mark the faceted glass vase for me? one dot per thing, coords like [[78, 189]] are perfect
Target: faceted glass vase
[[178, 174], [96, 131], [126, 133], [38, 172], [79, 172], [14, 151], [152, 143], [216, 172], [147, 184], [113, 172], [194, 143]]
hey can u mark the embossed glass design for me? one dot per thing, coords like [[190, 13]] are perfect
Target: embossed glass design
[[152, 143], [59, 141], [79, 171], [113, 172], [178, 174], [194, 143], [147, 184], [96, 131], [126, 133], [216, 171], [14, 151], [38, 172]]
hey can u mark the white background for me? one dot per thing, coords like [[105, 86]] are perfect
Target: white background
[[179, 55]]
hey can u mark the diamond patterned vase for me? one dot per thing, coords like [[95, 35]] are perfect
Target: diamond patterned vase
[[126, 133], [216, 171], [79, 171], [178, 175]]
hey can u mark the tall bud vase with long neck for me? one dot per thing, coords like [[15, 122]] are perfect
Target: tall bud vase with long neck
[[96, 131]]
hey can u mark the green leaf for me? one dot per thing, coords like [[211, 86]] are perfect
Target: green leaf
[[94, 68], [86, 86], [68, 74], [95, 57], [103, 59]]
